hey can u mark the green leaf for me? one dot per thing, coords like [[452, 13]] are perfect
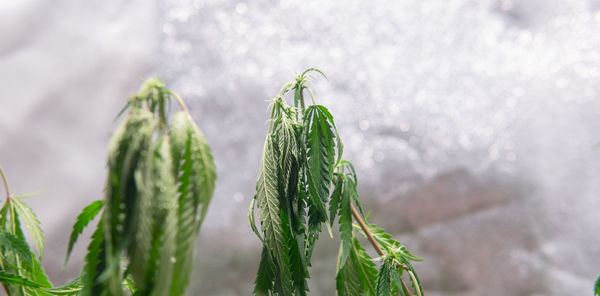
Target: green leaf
[[87, 215], [345, 214], [364, 266], [414, 278], [269, 211], [17, 280], [320, 156], [130, 146], [336, 196], [151, 255], [384, 278], [71, 288], [251, 219], [31, 223], [597, 287], [297, 261], [347, 283], [95, 263], [387, 242], [11, 243], [266, 272], [37, 273], [196, 176]]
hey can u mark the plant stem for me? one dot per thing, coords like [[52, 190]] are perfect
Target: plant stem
[[366, 230], [5, 184], [181, 103], [376, 245]]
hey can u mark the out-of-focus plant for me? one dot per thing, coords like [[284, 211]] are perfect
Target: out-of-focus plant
[[304, 183], [161, 177]]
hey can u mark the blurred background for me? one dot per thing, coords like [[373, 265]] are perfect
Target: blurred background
[[474, 124]]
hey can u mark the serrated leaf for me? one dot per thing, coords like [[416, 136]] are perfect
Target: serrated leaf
[[11, 243], [384, 278], [95, 264], [151, 256], [17, 280], [298, 267], [196, 176], [269, 211], [347, 283], [130, 146], [265, 274], [387, 242], [87, 215], [320, 156], [345, 220], [31, 223], [365, 268], [334, 201]]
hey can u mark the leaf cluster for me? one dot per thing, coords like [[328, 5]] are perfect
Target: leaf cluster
[[161, 177], [303, 184], [21, 271]]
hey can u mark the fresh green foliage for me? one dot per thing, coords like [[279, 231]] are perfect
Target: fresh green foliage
[[302, 173], [597, 287], [87, 215], [20, 271]]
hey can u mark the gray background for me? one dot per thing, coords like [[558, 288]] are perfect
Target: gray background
[[473, 124]]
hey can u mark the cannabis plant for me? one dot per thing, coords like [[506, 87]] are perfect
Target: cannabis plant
[[303, 183], [21, 271], [161, 178]]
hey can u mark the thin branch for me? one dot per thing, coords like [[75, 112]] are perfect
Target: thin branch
[[181, 103], [366, 230], [414, 280], [376, 245], [405, 288]]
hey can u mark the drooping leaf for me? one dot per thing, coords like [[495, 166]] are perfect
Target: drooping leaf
[[87, 215], [365, 268], [95, 264], [345, 220], [129, 146], [298, 268], [320, 156], [196, 176], [336, 196], [251, 219], [264, 277], [384, 278], [269, 212], [151, 265], [347, 282]]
